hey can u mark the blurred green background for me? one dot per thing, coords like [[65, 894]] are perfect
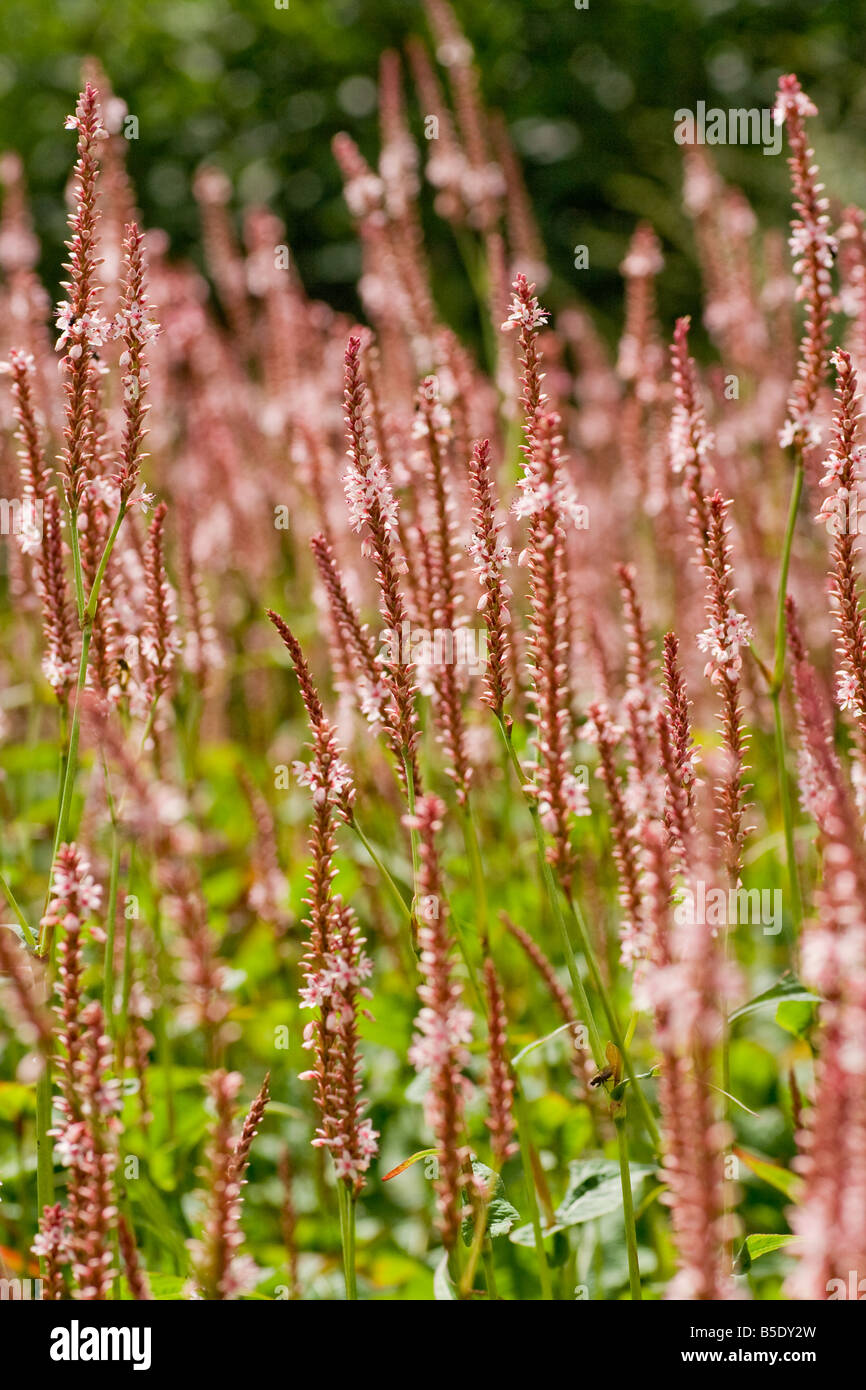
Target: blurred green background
[[589, 96]]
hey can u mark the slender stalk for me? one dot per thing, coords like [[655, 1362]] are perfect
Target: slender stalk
[[522, 1118], [163, 1042], [478, 1240], [405, 910], [628, 1207], [473, 853], [346, 1200], [415, 843], [612, 1021], [75, 546], [776, 692], [489, 1270], [111, 911], [581, 998], [93, 597], [71, 765], [410, 799], [44, 1145], [87, 612]]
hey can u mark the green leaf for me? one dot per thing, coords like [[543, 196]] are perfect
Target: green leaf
[[780, 1178], [796, 1016], [594, 1189], [757, 1245], [525, 1235], [501, 1215], [166, 1286], [16, 1100], [407, 1163], [786, 989]]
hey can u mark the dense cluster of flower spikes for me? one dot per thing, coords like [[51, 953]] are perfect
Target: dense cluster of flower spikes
[[578, 506]]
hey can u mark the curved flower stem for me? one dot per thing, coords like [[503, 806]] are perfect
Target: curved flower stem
[[87, 612], [776, 693], [522, 1118], [44, 1145], [479, 1232], [71, 766], [489, 1270], [581, 997], [612, 1021], [401, 902], [346, 1200], [628, 1208], [473, 854], [111, 910], [93, 597], [414, 841]]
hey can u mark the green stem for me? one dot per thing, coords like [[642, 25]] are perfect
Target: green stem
[[613, 1023], [405, 910], [416, 847], [584, 1008], [71, 767], [346, 1201], [111, 911], [473, 853], [522, 1118], [489, 1270], [44, 1145], [479, 1232], [93, 598], [581, 998], [86, 612], [628, 1208], [776, 691], [75, 546], [413, 833], [787, 814]]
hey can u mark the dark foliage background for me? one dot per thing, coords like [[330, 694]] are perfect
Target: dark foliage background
[[589, 96]]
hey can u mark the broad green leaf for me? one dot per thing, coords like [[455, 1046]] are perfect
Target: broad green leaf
[[785, 989], [796, 1016], [780, 1178], [756, 1245], [594, 1189], [16, 1100], [167, 1286], [501, 1215]]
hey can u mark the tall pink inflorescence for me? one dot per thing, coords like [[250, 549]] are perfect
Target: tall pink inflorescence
[[82, 327], [336, 967], [547, 502], [814, 249]]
